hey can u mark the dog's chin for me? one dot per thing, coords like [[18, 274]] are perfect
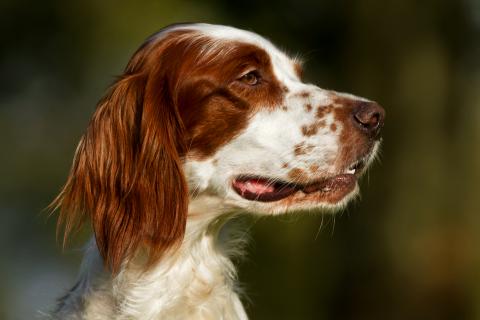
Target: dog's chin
[[333, 194], [273, 195], [312, 202]]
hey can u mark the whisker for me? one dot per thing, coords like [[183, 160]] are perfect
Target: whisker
[[333, 226], [320, 227]]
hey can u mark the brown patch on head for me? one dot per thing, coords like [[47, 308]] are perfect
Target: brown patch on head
[[214, 104], [308, 107], [218, 117], [314, 168]]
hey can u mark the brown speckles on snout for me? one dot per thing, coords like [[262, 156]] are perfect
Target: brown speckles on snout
[[297, 175], [314, 168], [312, 129], [301, 149], [308, 107], [303, 94], [298, 149], [322, 111], [309, 130], [333, 127]]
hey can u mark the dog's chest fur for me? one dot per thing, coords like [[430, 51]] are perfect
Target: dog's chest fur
[[196, 282]]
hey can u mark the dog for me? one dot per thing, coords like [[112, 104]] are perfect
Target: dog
[[206, 122]]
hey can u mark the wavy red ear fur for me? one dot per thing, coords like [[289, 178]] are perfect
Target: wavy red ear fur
[[127, 173]]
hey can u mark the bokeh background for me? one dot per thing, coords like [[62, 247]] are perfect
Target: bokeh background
[[409, 249]]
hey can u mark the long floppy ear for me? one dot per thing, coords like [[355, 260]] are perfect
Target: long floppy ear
[[127, 174]]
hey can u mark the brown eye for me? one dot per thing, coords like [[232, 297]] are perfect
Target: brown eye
[[252, 78]]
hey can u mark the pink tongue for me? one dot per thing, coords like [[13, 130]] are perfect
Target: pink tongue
[[255, 186]]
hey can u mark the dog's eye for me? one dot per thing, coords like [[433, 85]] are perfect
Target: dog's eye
[[251, 78]]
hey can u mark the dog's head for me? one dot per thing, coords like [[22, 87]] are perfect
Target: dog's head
[[217, 110]]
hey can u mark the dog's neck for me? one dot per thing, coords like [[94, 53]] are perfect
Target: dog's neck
[[193, 281]]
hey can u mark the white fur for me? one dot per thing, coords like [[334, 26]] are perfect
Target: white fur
[[197, 280]]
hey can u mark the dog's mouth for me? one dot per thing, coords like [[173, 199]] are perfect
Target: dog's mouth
[[266, 189]]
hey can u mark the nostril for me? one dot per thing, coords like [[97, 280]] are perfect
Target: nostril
[[368, 120], [369, 117]]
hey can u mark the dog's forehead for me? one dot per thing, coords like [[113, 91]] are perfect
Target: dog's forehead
[[284, 67]]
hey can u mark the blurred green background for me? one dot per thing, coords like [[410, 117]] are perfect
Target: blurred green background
[[408, 249]]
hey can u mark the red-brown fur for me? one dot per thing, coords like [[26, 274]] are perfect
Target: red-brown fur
[[127, 173], [222, 106], [352, 141]]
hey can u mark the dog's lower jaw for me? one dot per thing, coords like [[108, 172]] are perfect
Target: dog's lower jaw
[[195, 281]]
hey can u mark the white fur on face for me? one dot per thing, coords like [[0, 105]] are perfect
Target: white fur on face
[[276, 143]]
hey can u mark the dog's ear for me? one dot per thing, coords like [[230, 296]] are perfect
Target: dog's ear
[[127, 172]]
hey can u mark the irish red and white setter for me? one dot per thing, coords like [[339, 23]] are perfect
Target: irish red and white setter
[[206, 122]]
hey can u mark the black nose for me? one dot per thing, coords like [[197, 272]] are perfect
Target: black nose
[[369, 117]]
